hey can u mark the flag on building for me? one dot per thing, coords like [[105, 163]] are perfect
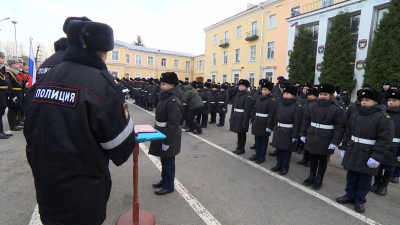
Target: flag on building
[[32, 66], [294, 24]]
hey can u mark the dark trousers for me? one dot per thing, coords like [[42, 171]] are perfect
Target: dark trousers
[[320, 163], [396, 171], [137, 100], [12, 116], [261, 146], [283, 158], [168, 171], [2, 111], [222, 118], [358, 185], [241, 140], [191, 123], [213, 117]]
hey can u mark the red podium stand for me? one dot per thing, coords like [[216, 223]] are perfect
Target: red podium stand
[[136, 216]]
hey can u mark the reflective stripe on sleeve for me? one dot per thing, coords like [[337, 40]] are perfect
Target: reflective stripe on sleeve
[[120, 138]]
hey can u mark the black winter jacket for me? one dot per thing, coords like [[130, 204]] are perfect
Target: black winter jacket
[[390, 158], [222, 101], [59, 46], [205, 95], [264, 105], [371, 123], [239, 121]]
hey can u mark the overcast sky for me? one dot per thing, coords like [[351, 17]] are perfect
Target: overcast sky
[[165, 24]]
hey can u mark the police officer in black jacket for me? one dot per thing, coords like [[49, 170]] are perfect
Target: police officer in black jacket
[[76, 121], [4, 93]]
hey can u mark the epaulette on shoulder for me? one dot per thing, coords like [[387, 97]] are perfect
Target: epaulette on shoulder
[[110, 78], [273, 99], [174, 100], [340, 107], [385, 114], [249, 96], [299, 105]]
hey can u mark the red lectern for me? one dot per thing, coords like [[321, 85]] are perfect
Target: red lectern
[[136, 216]]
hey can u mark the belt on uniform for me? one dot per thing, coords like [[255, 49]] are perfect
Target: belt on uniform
[[238, 110], [3, 87], [161, 124], [396, 140], [17, 89], [322, 126], [363, 141], [261, 115], [204, 101], [221, 102], [184, 103], [212, 102], [285, 125]]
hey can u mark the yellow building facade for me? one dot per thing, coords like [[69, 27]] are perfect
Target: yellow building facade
[[131, 61], [252, 44]]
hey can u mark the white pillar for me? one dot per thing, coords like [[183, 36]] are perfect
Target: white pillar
[[322, 34]]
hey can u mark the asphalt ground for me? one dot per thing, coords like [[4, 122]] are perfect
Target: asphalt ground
[[214, 186]]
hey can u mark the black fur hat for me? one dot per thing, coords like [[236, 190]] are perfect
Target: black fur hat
[[366, 86], [169, 78], [290, 89], [386, 83], [200, 86], [327, 88], [267, 84], [394, 85], [215, 86], [285, 83], [337, 89], [61, 44], [244, 82], [309, 85], [261, 81], [313, 91], [371, 94], [90, 36], [208, 80], [207, 85], [224, 86], [392, 94], [69, 19]]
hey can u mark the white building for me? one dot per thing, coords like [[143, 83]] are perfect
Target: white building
[[368, 13]]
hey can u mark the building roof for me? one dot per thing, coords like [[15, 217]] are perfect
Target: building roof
[[151, 50]]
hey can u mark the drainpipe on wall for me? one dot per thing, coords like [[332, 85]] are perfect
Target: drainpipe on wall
[[126, 52], [261, 39], [192, 69], [157, 64]]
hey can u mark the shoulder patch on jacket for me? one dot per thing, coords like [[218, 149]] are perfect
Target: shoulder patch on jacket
[[340, 107], [273, 99], [385, 114], [249, 96], [299, 105], [110, 78], [173, 100]]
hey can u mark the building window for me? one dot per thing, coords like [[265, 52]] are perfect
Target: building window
[[126, 76], [115, 55], [200, 64], [214, 60], [381, 12], [354, 24], [223, 78], [295, 11], [272, 21], [176, 63], [271, 50], [164, 62], [203, 63], [314, 29], [138, 59], [137, 75], [197, 64], [213, 78], [237, 55], [226, 36], [128, 58], [236, 78], [239, 32], [114, 73], [251, 79], [148, 76], [215, 39], [269, 74], [254, 28], [225, 59], [187, 79], [252, 53], [150, 60], [188, 65]]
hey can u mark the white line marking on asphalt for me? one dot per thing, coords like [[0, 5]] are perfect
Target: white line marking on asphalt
[[190, 199], [35, 219], [294, 184]]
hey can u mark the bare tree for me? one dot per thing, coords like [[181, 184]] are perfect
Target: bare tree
[[9, 48], [50, 49], [139, 41]]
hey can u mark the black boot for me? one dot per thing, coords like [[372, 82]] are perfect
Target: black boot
[[385, 181], [240, 151], [317, 182], [12, 122], [310, 180], [394, 180], [253, 147], [377, 183], [307, 164], [303, 161], [2, 134], [272, 153]]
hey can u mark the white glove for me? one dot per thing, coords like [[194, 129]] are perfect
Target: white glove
[[303, 139], [294, 139], [342, 152], [372, 163], [15, 99], [268, 130], [332, 146], [398, 158], [164, 147]]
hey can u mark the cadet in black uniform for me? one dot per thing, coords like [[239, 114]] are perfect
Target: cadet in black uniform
[[4, 92], [15, 97], [392, 156], [255, 97], [213, 107], [240, 115], [76, 121], [312, 94], [205, 94], [345, 97], [222, 101], [263, 123], [368, 137], [322, 131], [168, 117], [286, 131], [151, 95]]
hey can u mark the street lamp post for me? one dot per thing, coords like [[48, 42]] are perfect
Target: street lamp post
[[16, 45], [5, 19]]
